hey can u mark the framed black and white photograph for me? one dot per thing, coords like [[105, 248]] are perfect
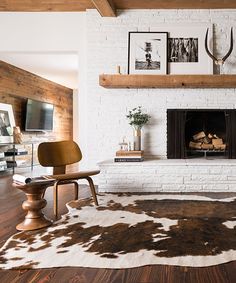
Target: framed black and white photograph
[[7, 122], [186, 48], [147, 53], [182, 50]]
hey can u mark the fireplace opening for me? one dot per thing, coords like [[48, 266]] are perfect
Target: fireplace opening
[[201, 133], [205, 133]]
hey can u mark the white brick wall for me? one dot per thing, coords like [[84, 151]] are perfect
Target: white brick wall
[[107, 47], [197, 175]]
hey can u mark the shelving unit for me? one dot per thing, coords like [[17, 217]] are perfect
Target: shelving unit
[[14, 154], [167, 81]]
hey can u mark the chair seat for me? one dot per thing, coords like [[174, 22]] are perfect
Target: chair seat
[[73, 176]]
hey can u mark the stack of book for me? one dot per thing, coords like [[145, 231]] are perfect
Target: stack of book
[[129, 156]]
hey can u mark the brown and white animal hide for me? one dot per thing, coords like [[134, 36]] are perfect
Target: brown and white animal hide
[[131, 230]]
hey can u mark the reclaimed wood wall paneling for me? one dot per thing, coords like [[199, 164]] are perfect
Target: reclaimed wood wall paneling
[[16, 85]]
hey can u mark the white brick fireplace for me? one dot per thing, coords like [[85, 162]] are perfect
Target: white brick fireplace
[[172, 175], [105, 122]]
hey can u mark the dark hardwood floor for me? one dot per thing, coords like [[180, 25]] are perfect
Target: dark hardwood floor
[[11, 214]]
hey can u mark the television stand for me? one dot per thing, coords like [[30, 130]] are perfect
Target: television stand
[[13, 156]]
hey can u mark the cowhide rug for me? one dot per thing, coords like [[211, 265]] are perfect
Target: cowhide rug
[[131, 230]]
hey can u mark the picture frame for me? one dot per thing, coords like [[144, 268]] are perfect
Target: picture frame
[[7, 122], [147, 52], [195, 33]]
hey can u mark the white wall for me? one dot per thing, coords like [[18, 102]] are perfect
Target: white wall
[[41, 31], [107, 48], [47, 33]]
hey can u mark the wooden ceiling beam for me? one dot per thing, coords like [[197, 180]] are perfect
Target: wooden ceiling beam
[[175, 4], [45, 5], [106, 8]]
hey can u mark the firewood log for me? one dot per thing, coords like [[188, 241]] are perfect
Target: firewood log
[[215, 136], [195, 145], [217, 141], [200, 140], [220, 146], [199, 135], [207, 146], [206, 140], [223, 146]]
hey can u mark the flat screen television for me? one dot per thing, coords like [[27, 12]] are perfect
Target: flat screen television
[[39, 116]]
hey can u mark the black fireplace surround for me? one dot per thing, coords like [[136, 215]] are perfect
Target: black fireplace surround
[[182, 124]]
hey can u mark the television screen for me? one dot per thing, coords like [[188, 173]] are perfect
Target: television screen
[[39, 116]]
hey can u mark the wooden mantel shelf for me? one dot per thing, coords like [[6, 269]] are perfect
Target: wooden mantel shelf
[[167, 81]]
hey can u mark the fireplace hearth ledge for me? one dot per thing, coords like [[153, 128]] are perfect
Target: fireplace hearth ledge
[[168, 175]]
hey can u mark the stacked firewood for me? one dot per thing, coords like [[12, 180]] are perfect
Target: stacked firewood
[[207, 142]]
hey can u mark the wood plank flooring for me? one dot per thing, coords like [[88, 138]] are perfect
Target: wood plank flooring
[[11, 214]]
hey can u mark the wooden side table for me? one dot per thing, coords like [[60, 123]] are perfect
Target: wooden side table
[[34, 204]]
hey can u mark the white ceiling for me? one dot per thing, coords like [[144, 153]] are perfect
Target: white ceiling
[[61, 68]]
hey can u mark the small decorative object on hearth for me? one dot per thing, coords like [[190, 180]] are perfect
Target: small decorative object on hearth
[[123, 145], [137, 119], [17, 135]]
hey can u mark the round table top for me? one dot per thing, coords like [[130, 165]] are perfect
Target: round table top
[[33, 186]]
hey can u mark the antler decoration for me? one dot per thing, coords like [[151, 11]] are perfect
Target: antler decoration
[[216, 60]]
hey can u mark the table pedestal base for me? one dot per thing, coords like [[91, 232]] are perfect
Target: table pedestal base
[[34, 204], [33, 224]]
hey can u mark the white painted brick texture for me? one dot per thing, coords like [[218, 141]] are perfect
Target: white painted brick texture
[[162, 176], [107, 47]]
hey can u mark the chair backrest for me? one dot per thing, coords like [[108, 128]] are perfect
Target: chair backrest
[[58, 155]]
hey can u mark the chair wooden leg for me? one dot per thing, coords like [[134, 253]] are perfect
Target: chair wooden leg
[[76, 188], [92, 188], [55, 199], [55, 195]]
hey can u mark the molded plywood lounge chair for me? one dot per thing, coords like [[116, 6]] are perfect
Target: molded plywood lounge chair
[[58, 155]]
